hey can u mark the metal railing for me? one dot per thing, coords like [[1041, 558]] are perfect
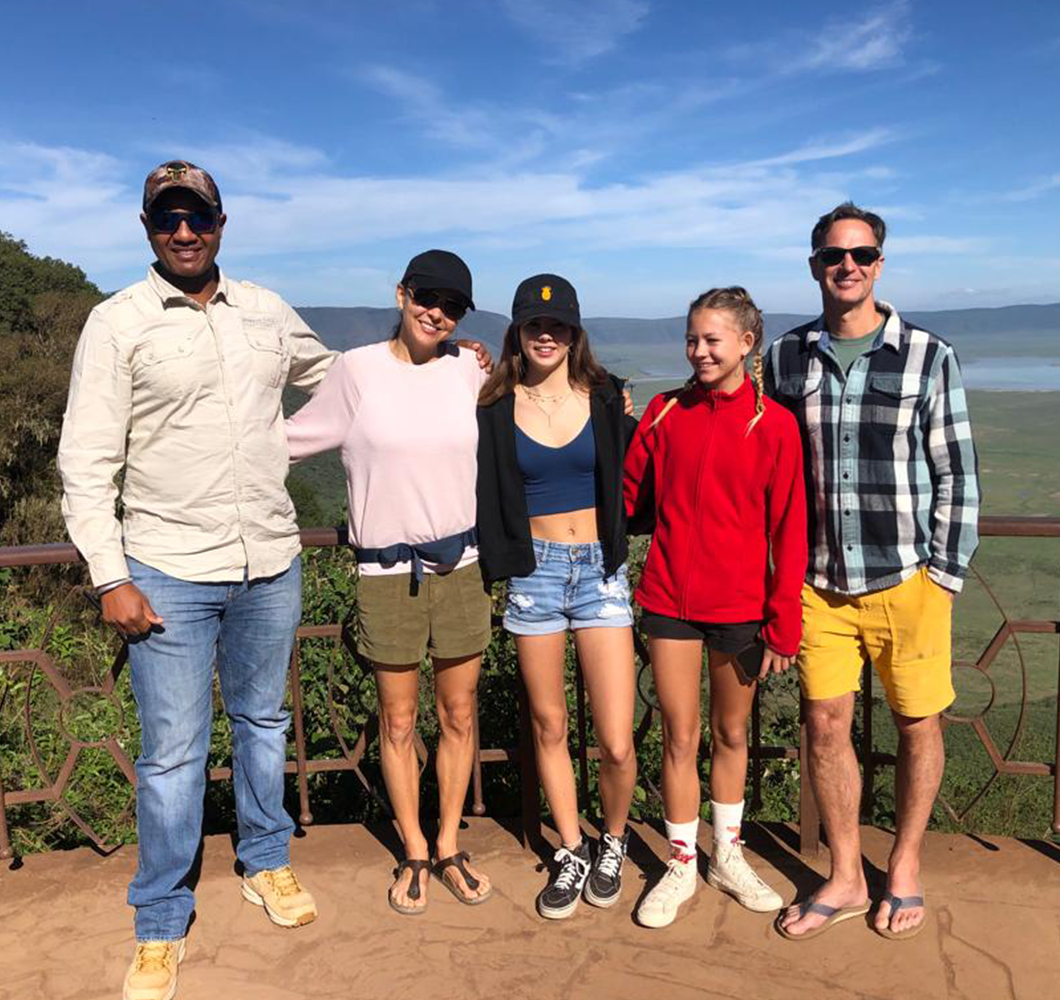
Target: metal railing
[[38, 667]]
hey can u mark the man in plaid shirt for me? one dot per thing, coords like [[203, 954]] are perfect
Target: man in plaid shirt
[[893, 512]]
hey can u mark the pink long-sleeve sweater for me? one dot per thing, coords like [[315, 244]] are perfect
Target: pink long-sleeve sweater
[[408, 437]]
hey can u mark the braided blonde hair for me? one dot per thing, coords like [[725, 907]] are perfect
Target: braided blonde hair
[[738, 301]]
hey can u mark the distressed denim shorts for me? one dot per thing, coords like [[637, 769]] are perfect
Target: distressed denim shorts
[[567, 590]]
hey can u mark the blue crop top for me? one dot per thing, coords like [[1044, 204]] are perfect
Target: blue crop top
[[557, 479]]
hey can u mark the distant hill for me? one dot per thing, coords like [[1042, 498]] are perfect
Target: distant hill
[[343, 328], [1026, 329]]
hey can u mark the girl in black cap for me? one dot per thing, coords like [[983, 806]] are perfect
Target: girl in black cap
[[552, 437], [403, 414]]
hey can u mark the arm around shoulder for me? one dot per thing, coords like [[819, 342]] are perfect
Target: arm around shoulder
[[323, 422]]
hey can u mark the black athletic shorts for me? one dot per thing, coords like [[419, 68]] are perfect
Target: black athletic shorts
[[722, 637]]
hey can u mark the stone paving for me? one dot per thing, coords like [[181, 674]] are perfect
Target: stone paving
[[993, 932]]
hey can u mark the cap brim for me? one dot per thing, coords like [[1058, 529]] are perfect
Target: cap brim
[[544, 312]]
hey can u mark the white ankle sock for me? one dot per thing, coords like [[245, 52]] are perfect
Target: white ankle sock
[[726, 817], [682, 837]]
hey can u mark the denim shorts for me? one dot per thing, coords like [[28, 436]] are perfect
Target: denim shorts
[[567, 590]]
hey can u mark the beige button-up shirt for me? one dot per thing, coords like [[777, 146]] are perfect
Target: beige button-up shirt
[[187, 400]]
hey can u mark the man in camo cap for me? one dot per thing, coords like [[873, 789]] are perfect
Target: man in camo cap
[[177, 379]]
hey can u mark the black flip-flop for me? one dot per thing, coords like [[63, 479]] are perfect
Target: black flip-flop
[[415, 865], [458, 861]]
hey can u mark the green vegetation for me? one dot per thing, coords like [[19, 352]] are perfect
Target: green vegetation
[[42, 307]]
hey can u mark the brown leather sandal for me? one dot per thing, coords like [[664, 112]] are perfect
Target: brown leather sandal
[[458, 861], [415, 865]]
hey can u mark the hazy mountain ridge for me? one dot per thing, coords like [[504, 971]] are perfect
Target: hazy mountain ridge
[[345, 327]]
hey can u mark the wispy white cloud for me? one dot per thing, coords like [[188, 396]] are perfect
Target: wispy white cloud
[[581, 30], [586, 129], [874, 39], [831, 149], [283, 196], [1033, 190]]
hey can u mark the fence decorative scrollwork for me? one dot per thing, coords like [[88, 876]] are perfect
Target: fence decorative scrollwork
[[38, 672]]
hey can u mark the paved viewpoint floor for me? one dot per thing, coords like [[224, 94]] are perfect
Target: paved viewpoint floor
[[993, 933]]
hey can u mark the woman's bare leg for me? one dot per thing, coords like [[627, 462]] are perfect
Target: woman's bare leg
[[398, 690], [606, 656], [455, 685], [542, 663], [677, 666]]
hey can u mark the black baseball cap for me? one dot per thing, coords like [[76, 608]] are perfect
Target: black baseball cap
[[546, 296], [440, 270]]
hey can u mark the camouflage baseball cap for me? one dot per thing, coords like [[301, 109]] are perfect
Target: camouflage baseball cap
[[181, 174]]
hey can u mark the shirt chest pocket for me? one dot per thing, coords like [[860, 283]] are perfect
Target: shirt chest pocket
[[895, 401], [167, 367], [802, 395], [269, 357]]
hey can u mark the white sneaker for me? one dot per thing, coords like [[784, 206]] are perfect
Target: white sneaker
[[677, 886], [730, 872]]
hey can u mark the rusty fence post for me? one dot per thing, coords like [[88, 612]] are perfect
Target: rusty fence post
[[6, 854], [478, 807], [583, 735], [756, 752], [305, 816], [809, 818], [1056, 746], [868, 757], [528, 776]]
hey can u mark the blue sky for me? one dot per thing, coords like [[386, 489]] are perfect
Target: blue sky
[[644, 149]]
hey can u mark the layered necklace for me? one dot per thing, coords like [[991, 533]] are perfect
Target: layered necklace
[[540, 398]]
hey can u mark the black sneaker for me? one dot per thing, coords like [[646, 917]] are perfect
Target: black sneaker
[[604, 885], [559, 898]]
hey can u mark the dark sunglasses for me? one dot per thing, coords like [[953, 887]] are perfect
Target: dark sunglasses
[[428, 298], [165, 220], [863, 256]]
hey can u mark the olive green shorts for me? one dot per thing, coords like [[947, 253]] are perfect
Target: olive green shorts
[[448, 616]]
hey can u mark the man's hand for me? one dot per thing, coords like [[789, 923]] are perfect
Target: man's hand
[[482, 353], [627, 398], [128, 611], [773, 662]]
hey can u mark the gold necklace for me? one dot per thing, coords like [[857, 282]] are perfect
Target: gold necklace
[[538, 398]]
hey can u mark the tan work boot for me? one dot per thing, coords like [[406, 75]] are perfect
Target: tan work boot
[[153, 972], [284, 899]]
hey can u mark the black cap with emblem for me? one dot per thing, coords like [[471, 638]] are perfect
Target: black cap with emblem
[[546, 296]]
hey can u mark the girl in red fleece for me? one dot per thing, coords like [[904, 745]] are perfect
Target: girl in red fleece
[[721, 469]]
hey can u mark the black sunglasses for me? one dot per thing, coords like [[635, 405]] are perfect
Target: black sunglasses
[[428, 298], [863, 256], [166, 220]]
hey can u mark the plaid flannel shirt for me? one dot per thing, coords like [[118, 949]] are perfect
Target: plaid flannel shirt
[[891, 477]]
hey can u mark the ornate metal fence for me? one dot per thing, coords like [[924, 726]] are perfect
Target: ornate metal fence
[[38, 672]]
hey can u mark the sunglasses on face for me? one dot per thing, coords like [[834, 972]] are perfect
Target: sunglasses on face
[[862, 256], [429, 298], [165, 220]]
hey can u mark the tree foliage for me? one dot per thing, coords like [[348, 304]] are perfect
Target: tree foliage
[[43, 305]]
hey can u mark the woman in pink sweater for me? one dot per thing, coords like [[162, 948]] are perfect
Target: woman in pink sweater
[[403, 414]]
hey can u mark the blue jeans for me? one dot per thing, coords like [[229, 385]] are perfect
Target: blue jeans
[[568, 589], [247, 630]]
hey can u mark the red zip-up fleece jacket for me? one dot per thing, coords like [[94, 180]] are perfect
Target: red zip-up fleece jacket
[[723, 497]]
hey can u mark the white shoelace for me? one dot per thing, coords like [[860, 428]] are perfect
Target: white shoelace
[[739, 870], [670, 883], [572, 868], [611, 856]]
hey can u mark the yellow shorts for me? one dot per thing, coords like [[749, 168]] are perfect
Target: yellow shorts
[[904, 631]]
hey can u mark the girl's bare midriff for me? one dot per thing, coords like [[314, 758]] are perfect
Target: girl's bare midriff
[[573, 527]]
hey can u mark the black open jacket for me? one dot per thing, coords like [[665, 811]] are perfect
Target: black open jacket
[[505, 546]]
